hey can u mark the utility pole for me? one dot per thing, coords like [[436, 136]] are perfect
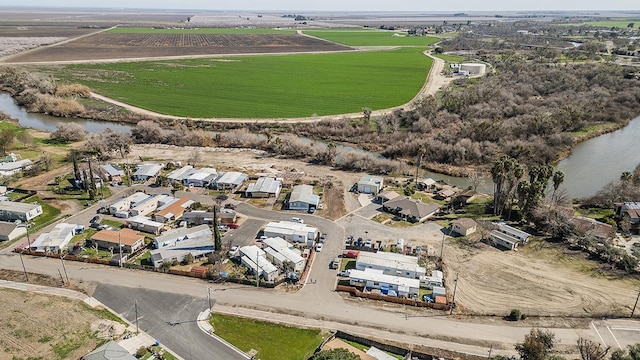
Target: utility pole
[[490, 349], [136, 306], [453, 300], [120, 248], [634, 306], [65, 269], [209, 296], [257, 269], [27, 276]]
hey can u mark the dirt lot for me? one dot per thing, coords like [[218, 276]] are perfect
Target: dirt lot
[[540, 279], [32, 323], [116, 46]]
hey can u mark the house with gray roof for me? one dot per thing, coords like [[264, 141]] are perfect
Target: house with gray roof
[[370, 184], [109, 351], [12, 211], [171, 237], [410, 210], [303, 198], [198, 246], [264, 187], [10, 231], [113, 172], [146, 171], [178, 175], [231, 180]]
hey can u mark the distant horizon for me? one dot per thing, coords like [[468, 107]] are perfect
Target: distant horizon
[[340, 6]]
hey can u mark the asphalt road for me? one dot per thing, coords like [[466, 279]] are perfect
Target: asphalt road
[[156, 309]]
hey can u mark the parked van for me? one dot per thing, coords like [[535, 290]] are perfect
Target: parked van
[[335, 264]]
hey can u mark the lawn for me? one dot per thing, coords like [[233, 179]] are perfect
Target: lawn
[[129, 30], [373, 38], [273, 341], [112, 223], [260, 86], [49, 214]]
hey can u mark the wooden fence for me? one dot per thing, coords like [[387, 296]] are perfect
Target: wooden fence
[[398, 300]]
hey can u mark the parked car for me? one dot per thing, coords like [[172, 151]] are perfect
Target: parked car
[[335, 263], [323, 238], [95, 219], [368, 243], [223, 227], [297, 219], [262, 238], [229, 206], [95, 225], [344, 273], [319, 247], [101, 210], [312, 210], [233, 226]]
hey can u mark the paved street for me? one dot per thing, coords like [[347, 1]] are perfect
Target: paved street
[[157, 309]]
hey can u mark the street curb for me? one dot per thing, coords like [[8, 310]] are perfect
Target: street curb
[[205, 326]]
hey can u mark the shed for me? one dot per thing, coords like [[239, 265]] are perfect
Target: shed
[[370, 184], [303, 198]]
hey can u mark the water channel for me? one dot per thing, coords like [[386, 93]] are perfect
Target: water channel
[[592, 164]]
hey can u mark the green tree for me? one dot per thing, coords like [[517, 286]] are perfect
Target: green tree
[[217, 238], [6, 140], [335, 354], [558, 179], [537, 345]]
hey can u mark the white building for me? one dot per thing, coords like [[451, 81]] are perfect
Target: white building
[[178, 175], [13, 167], [124, 204], [10, 231], [171, 237], [303, 198], [145, 207], [145, 224], [291, 231], [56, 240], [513, 232], [12, 211], [231, 180], [436, 279], [474, 68], [391, 264], [370, 184], [376, 279], [279, 251], [264, 187], [201, 177], [255, 259], [146, 171]]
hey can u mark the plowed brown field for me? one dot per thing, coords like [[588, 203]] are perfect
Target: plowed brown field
[[103, 46]]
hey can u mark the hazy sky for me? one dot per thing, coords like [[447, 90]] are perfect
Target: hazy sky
[[344, 5]]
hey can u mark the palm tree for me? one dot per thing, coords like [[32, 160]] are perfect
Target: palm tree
[[558, 178], [421, 151]]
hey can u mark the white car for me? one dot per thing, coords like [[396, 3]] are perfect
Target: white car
[[297, 219], [319, 247]]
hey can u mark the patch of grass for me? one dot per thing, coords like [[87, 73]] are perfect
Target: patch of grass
[[597, 128], [540, 249], [70, 342], [356, 345], [273, 341], [595, 213], [49, 214], [382, 217], [106, 314], [45, 339], [348, 264], [308, 84], [135, 30], [373, 37], [112, 223]]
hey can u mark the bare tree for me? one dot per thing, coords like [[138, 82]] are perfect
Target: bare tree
[[590, 350], [68, 132]]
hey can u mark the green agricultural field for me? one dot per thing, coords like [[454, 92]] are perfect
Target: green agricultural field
[[260, 86], [610, 23], [373, 38], [135, 30]]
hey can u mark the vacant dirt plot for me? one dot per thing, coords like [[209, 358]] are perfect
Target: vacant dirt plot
[[104, 46], [49, 327], [538, 280]]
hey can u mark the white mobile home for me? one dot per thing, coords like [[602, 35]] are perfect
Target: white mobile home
[[291, 231], [171, 237], [124, 204], [56, 240], [391, 264], [198, 247], [231, 180], [178, 175], [201, 178], [278, 250], [375, 279], [513, 232], [145, 224], [264, 187], [255, 259], [146, 172], [12, 211]]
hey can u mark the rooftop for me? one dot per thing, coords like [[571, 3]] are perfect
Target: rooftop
[[176, 207], [148, 170], [304, 193], [388, 260], [410, 207], [17, 206], [265, 184], [370, 179], [232, 177], [123, 236], [378, 276], [181, 173]]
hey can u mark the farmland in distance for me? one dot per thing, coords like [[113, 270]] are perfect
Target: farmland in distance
[[372, 38], [260, 86]]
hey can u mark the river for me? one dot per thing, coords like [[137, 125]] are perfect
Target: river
[[591, 165]]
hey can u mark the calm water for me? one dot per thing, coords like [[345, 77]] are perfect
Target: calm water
[[595, 163], [592, 164], [49, 123]]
